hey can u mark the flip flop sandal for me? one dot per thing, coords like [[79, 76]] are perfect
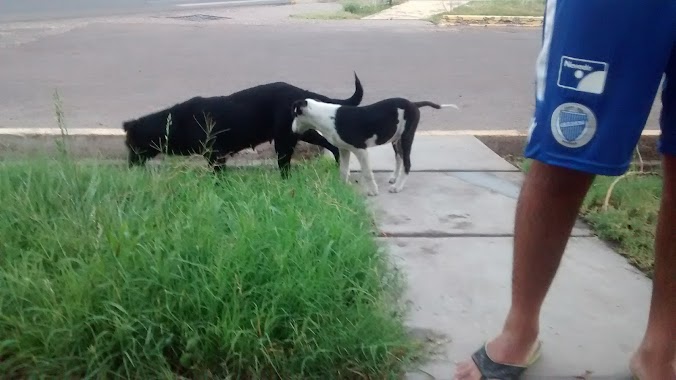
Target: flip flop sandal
[[491, 370]]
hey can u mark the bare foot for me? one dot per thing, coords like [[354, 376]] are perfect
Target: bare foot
[[651, 365], [503, 349]]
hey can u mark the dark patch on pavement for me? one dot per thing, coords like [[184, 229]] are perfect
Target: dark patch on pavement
[[199, 18]]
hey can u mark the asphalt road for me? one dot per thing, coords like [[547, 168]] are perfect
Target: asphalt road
[[118, 68], [30, 10]]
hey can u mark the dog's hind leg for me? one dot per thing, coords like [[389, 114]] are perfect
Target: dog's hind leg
[[406, 142], [398, 161], [363, 157], [405, 156], [313, 137]]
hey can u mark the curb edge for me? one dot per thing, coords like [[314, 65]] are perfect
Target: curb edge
[[488, 20]]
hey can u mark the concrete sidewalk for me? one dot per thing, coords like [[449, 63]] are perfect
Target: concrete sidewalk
[[450, 232], [416, 10], [412, 10]]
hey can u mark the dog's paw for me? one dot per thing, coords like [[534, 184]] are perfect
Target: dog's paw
[[392, 179], [395, 189], [372, 192]]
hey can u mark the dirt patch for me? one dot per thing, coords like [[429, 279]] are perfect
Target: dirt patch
[[112, 147], [511, 147]]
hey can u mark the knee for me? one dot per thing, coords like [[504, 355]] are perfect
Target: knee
[[559, 179]]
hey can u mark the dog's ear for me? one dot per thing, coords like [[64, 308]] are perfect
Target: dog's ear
[[298, 107]]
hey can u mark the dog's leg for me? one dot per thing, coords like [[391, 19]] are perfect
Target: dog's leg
[[363, 157], [216, 162], [398, 161], [345, 165], [406, 143], [285, 142], [313, 137], [284, 146]]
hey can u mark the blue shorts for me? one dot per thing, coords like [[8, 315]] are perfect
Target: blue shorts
[[596, 83]]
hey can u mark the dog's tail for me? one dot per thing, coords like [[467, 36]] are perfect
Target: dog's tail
[[434, 105], [356, 98]]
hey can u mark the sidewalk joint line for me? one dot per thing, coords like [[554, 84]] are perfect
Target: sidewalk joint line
[[447, 171], [441, 235]]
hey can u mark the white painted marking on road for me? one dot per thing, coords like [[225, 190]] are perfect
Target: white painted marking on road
[[57, 131], [216, 3]]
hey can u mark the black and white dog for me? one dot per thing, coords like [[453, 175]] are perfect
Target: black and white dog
[[241, 120], [354, 129]]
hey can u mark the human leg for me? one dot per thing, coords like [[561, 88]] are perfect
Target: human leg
[[594, 94], [654, 358], [546, 211]]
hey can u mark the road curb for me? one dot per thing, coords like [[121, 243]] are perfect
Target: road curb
[[500, 133], [473, 20]]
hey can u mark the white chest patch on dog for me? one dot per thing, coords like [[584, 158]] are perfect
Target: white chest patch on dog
[[371, 141]]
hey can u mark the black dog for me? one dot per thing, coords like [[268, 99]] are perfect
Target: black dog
[[223, 125], [355, 129]]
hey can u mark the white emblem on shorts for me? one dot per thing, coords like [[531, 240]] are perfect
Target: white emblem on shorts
[[573, 125], [582, 75]]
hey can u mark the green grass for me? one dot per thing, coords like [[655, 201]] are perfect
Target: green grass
[[501, 8], [630, 220], [365, 8], [107, 272], [338, 15], [352, 9]]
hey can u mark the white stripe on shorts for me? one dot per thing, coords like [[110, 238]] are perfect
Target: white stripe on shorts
[[543, 58]]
